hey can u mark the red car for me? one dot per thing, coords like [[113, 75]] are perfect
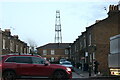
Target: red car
[[27, 66]]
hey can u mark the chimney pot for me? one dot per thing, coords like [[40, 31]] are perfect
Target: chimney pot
[[113, 9]]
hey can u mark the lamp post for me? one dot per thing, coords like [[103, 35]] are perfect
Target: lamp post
[[92, 49]]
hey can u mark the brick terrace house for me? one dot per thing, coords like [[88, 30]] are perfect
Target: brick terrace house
[[94, 42], [54, 51], [11, 44]]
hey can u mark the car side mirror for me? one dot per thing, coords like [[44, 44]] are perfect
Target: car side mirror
[[46, 64]]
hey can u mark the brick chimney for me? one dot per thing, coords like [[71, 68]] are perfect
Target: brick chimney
[[7, 32], [98, 21], [16, 36], [113, 9]]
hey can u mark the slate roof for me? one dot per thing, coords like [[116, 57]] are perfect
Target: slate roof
[[55, 46]]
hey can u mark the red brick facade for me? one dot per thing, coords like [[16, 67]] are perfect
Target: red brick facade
[[96, 40], [54, 51]]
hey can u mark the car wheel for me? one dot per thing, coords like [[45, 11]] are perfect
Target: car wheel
[[9, 75], [59, 75]]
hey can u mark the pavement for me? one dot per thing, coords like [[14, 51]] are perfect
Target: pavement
[[85, 75]]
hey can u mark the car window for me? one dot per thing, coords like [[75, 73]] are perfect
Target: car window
[[38, 60], [10, 59], [23, 59]]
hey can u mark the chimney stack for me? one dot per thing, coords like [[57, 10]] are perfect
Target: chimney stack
[[98, 21], [7, 32], [113, 9], [16, 36]]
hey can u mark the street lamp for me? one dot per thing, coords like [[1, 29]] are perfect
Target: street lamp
[[92, 49]]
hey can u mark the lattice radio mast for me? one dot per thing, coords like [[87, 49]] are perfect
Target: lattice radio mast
[[58, 34]]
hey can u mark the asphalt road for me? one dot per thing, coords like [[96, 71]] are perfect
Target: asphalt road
[[73, 74], [76, 76]]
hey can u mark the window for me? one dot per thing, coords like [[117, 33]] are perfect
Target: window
[[52, 52], [3, 43], [17, 48], [28, 51], [21, 50], [80, 45], [84, 43], [75, 48], [23, 59], [66, 51], [89, 39], [24, 50], [52, 59], [93, 55], [86, 54], [37, 60], [10, 59], [11, 45], [90, 57], [44, 52]]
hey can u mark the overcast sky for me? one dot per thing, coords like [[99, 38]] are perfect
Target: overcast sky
[[34, 20]]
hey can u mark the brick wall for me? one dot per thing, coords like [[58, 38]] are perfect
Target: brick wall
[[101, 32], [11, 42], [58, 51]]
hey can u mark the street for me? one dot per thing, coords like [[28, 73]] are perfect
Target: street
[[73, 74], [76, 76]]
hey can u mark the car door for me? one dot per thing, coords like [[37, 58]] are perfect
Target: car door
[[24, 65], [39, 67]]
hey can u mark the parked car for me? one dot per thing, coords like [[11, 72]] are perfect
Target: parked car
[[62, 60], [67, 64], [27, 66]]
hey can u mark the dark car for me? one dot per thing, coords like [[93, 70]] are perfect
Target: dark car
[[27, 66]]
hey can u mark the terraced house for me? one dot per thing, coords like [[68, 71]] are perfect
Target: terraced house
[[94, 43], [11, 44]]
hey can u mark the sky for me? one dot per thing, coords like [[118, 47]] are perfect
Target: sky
[[34, 20]]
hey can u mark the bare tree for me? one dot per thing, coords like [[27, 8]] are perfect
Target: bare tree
[[32, 45]]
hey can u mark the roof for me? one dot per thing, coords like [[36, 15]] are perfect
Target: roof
[[55, 46]]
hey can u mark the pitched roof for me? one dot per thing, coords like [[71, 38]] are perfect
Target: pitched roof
[[55, 46]]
